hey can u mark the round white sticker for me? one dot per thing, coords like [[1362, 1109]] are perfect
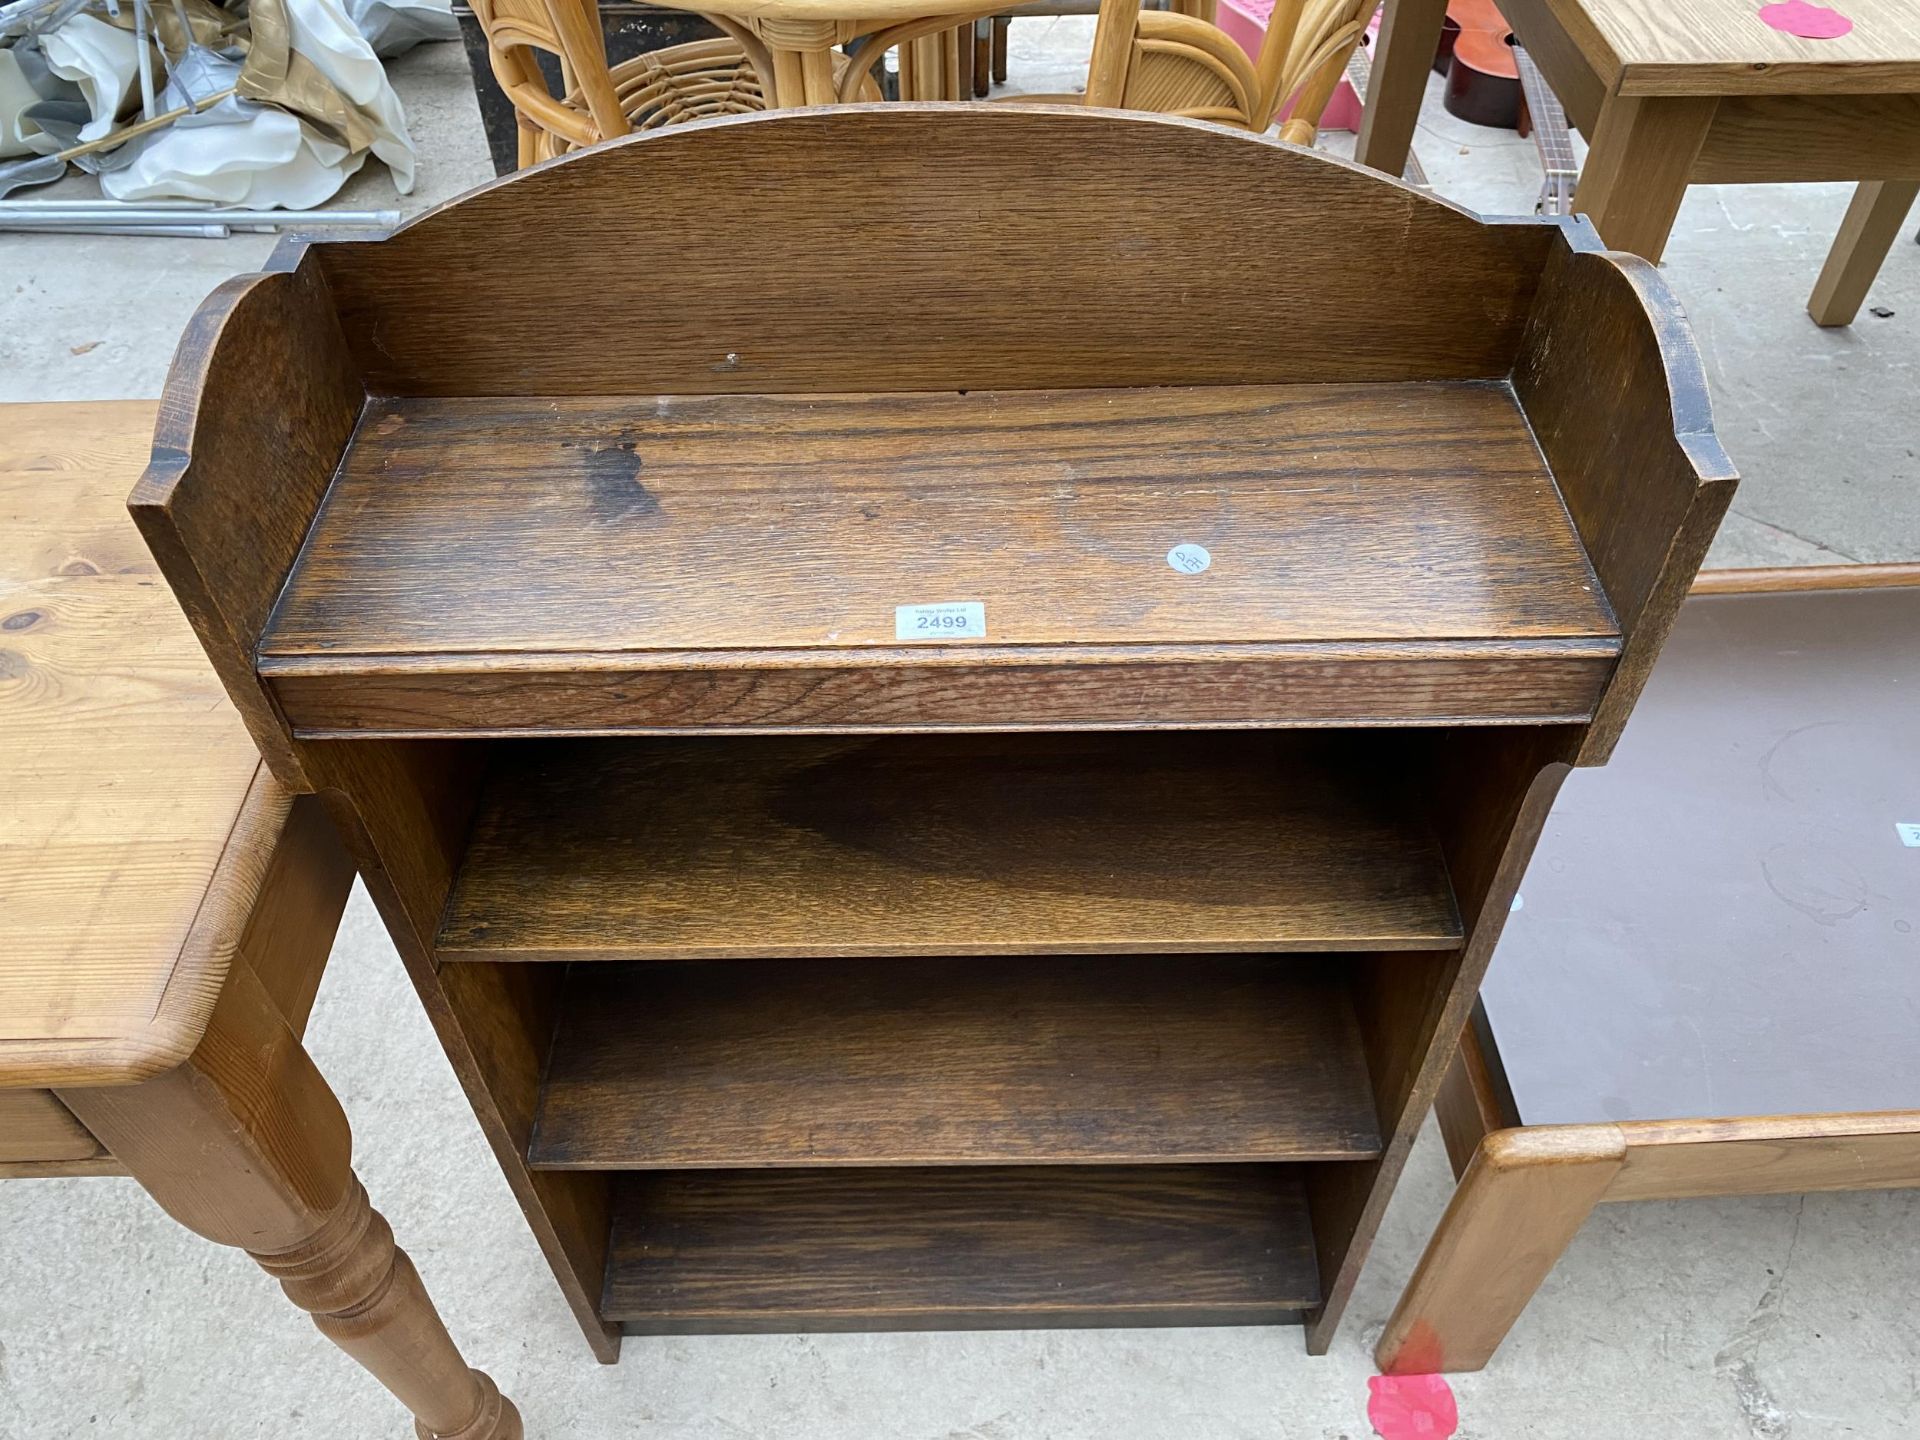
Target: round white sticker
[[1189, 559]]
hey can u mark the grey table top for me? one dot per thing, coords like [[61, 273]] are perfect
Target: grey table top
[[1725, 920]]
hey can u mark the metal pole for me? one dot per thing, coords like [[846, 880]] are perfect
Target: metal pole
[[111, 212]]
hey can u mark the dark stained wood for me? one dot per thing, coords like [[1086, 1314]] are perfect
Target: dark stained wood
[[909, 845], [759, 522], [706, 1252], [1490, 791], [257, 411], [1613, 385], [986, 688], [1389, 550], [970, 1060], [1115, 258], [729, 561], [403, 811]]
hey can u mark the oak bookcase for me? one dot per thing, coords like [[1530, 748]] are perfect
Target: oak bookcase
[[1094, 965]]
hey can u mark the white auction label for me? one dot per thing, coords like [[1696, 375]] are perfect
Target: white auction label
[[1189, 559], [957, 620], [1909, 832]]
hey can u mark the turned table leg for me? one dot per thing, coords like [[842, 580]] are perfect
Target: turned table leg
[[1874, 221], [1524, 1197], [1403, 57], [1636, 174], [246, 1145]]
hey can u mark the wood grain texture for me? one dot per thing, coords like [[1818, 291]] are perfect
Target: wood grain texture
[[963, 1061], [35, 1126], [1490, 792], [1401, 61], [1759, 139], [608, 850], [290, 933], [718, 1252], [770, 291], [1636, 173], [259, 404], [245, 1144], [772, 288], [1378, 552], [1768, 1155], [1720, 47], [1568, 67], [1475, 1098], [1875, 219], [101, 1165], [125, 772], [774, 522], [951, 687], [1613, 384], [1804, 577], [403, 812], [1524, 1197], [1527, 1191]]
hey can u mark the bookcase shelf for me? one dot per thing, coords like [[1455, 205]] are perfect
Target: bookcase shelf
[[960, 1061], [1378, 552], [931, 845], [729, 1252]]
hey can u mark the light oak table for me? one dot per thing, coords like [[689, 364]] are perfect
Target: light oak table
[[1722, 924], [1672, 93], [168, 911]]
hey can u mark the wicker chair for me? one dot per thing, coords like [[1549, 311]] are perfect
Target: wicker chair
[[1180, 64], [727, 75]]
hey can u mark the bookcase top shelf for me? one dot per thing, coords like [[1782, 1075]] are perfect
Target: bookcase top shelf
[[1408, 536]]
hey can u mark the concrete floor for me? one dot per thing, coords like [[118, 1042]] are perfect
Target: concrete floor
[[1780, 1319]]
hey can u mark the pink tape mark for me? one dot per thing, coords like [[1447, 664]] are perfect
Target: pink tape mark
[[1809, 22], [1412, 1407]]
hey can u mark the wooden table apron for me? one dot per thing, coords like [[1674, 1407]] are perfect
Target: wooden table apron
[[169, 912], [1700, 93]]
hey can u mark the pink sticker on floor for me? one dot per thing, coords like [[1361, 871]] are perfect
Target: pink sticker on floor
[[1809, 22], [1412, 1407]]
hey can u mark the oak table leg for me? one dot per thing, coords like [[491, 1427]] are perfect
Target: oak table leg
[[246, 1145], [1874, 219], [1409, 36], [1524, 1197], [1636, 174]]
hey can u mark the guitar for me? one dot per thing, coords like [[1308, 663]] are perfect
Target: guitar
[[1476, 56], [1550, 137]]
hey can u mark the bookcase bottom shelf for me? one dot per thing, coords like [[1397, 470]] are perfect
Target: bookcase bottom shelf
[[780, 1251]]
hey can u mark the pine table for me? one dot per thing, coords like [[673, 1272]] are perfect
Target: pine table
[[169, 908]]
